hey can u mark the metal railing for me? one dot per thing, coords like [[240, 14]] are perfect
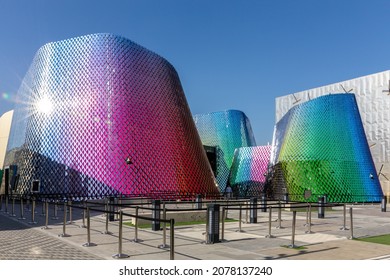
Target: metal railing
[[144, 204]]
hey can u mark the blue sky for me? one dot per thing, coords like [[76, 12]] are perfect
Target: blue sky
[[229, 54]]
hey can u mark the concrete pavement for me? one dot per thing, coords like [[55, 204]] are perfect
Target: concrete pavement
[[20, 239]]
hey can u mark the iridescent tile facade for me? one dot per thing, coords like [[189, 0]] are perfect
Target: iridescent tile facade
[[249, 170], [373, 99], [320, 146], [227, 131], [100, 115]]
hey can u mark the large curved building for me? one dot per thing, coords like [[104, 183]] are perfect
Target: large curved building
[[99, 115], [320, 146], [224, 131]]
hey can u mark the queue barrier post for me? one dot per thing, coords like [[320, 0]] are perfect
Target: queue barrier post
[[89, 243], [46, 226], [164, 244], [136, 225], [172, 240], [120, 255], [293, 230], [21, 210], [64, 234], [33, 213], [269, 223], [351, 221]]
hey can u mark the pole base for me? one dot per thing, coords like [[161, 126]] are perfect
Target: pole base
[[21, 218], [13, 215], [106, 232], [308, 232], [162, 246], [54, 218], [89, 244], [83, 226], [292, 246], [351, 238], [64, 235], [279, 227], [136, 240], [344, 228], [120, 256], [32, 223], [45, 227], [269, 236]]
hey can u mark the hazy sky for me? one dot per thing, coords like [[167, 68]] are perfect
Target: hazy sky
[[229, 54]]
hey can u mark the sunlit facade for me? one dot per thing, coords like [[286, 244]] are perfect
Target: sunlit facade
[[99, 115]]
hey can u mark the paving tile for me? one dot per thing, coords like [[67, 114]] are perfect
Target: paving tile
[[20, 240]]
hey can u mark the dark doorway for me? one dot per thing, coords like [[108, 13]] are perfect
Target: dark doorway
[[212, 157]]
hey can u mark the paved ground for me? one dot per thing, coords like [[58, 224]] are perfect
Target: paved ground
[[21, 240], [18, 241]]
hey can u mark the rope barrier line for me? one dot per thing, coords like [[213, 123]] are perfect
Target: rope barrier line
[[275, 205]]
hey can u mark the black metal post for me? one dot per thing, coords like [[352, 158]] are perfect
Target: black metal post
[[172, 240], [111, 203], [321, 207], [286, 198], [212, 223], [156, 205], [253, 210], [198, 201]]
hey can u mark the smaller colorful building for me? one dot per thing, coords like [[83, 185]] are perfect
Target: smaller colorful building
[[248, 174], [225, 131]]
